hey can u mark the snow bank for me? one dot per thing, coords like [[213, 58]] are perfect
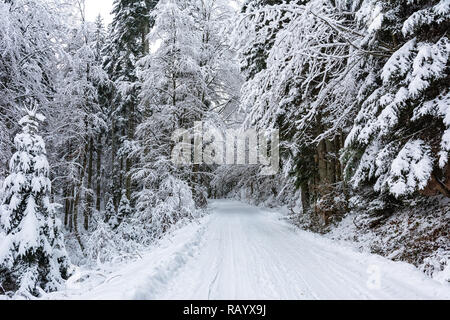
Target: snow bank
[[143, 278]]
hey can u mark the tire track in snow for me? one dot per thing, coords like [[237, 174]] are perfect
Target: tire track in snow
[[249, 254]]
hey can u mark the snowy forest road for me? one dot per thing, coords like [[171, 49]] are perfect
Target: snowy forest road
[[243, 252], [249, 254]]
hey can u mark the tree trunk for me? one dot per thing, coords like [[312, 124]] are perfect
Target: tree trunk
[[145, 43], [71, 202], [99, 174], [305, 199], [128, 162], [338, 146], [321, 162], [331, 162], [89, 191], [78, 197]]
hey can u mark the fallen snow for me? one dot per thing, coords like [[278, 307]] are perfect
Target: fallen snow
[[244, 252]]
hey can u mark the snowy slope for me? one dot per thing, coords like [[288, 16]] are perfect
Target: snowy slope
[[243, 252]]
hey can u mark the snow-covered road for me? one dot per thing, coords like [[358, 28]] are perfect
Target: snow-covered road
[[248, 254], [243, 252]]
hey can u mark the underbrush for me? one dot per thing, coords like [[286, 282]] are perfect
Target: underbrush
[[417, 233]]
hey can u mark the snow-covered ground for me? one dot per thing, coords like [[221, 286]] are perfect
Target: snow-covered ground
[[244, 252]]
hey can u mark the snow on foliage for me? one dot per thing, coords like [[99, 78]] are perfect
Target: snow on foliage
[[437, 13], [357, 89], [32, 254], [30, 42], [428, 65], [101, 244], [410, 92], [399, 64], [189, 74], [174, 203], [411, 169]]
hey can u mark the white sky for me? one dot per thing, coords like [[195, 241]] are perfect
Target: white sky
[[104, 7], [96, 7]]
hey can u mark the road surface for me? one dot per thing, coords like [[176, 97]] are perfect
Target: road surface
[[243, 252]]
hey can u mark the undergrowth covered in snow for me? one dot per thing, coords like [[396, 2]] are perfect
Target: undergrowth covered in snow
[[417, 234]]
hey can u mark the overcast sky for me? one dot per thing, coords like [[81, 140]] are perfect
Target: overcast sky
[[95, 7], [104, 7]]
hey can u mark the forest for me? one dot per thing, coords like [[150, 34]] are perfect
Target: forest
[[357, 92]]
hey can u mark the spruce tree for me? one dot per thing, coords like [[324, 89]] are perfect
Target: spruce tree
[[256, 54], [127, 43], [124, 211], [399, 143], [32, 254], [124, 207], [110, 211]]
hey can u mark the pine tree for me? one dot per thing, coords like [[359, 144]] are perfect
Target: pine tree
[[114, 221], [127, 43], [110, 211], [32, 254], [257, 52], [399, 144], [124, 210]]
